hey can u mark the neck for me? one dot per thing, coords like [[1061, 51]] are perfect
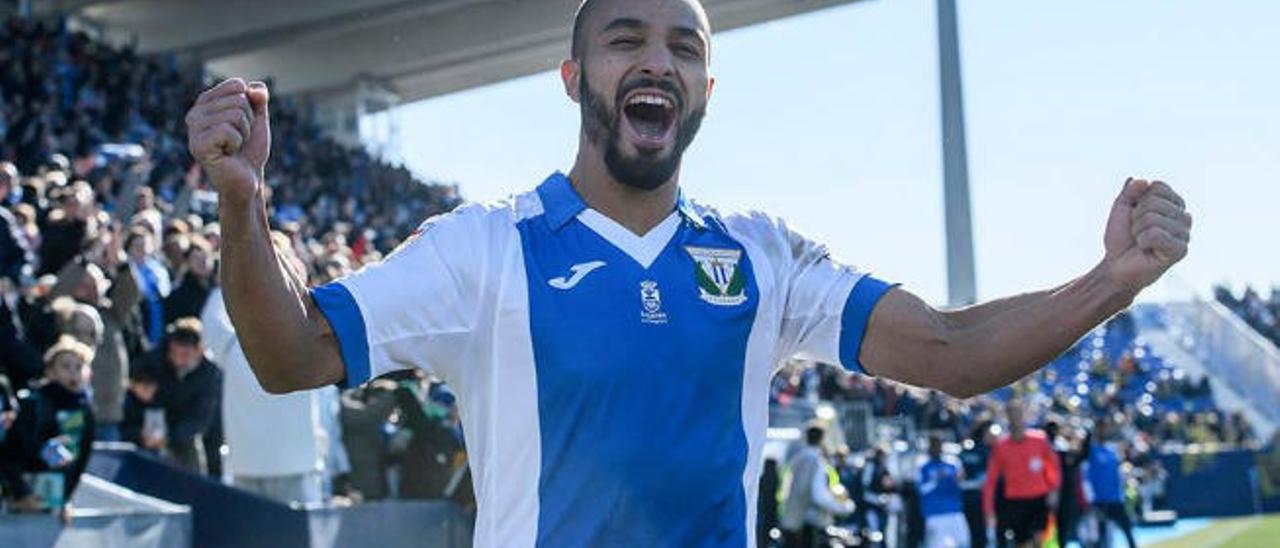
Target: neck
[[636, 209]]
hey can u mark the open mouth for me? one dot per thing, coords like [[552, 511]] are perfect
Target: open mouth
[[651, 117]]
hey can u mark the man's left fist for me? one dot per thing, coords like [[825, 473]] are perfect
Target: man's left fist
[[1147, 232]]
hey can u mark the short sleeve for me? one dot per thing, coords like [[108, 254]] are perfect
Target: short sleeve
[[827, 305], [419, 307]]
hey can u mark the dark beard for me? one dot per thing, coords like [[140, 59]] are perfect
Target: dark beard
[[649, 170]]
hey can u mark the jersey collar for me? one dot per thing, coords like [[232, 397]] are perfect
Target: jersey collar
[[561, 203]]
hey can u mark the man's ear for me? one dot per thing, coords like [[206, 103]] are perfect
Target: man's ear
[[711, 86], [571, 75]]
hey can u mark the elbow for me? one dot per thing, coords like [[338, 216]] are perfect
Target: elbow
[[961, 392], [275, 387], [273, 381], [960, 382], [948, 367]]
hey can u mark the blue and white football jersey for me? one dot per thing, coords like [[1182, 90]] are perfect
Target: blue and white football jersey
[[613, 387]]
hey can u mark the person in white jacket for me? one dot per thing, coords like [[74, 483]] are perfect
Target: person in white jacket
[[810, 503], [277, 443]]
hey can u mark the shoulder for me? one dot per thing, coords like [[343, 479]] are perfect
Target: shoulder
[[750, 224], [762, 232], [1037, 436], [471, 216], [472, 225]]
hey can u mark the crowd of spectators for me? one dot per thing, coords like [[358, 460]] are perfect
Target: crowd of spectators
[[1108, 401], [1261, 314], [109, 251], [1160, 404]]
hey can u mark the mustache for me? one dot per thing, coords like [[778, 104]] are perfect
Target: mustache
[[645, 82]]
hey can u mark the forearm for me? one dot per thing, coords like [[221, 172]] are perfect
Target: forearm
[[976, 314], [283, 335], [1008, 345]]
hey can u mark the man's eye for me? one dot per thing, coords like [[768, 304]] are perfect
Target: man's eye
[[687, 50], [625, 42]]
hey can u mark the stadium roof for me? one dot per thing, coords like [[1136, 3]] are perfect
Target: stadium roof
[[415, 48]]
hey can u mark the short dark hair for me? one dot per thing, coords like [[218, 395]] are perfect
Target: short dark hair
[[814, 435], [578, 44], [579, 19], [185, 331]]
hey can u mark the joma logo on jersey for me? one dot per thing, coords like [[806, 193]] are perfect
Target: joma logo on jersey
[[720, 281]]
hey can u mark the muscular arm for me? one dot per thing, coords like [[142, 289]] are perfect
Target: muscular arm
[[289, 343], [978, 313], [973, 350]]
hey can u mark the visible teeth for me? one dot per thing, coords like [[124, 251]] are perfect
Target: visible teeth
[[650, 99]]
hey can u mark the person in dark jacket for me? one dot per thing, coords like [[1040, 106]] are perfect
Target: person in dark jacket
[[16, 260], [68, 228], [51, 439], [427, 461], [767, 503], [189, 389], [975, 453], [188, 298]]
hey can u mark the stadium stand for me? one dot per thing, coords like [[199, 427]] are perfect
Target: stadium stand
[[1175, 422], [1262, 315], [105, 221]]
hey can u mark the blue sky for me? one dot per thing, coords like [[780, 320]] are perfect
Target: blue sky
[[831, 121]]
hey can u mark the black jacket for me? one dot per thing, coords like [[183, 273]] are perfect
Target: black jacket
[[190, 402], [45, 412], [187, 299]]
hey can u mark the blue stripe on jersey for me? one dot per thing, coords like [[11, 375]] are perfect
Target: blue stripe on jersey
[[340, 308], [853, 324], [640, 408]]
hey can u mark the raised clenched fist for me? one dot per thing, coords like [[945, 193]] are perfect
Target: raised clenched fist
[[1148, 232], [229, 134]]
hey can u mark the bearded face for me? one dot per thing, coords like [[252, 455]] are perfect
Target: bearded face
[[643, 85], [643, 131]]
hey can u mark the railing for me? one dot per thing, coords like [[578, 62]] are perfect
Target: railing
[[1231, 350]]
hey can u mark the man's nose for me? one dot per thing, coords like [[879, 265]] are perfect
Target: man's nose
[[657, 62]]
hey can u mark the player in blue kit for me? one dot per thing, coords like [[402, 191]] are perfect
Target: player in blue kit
[[611, 340], [941, 500]]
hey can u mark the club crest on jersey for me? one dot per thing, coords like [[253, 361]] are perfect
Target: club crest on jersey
[[720, 281], [651, 303]]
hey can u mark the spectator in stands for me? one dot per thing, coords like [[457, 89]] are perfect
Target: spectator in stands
[[941, 500], [153, 281], [197, 280], [8, 411], [15, 255], [275, 442], [1029, 468], [767, 503], [85, 282], [68, 228], [429, 462], [1104, 485], [364, 415], [188, 388], [810, 504], [52, 435]]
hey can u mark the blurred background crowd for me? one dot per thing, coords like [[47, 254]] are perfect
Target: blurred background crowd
[[109, 246]]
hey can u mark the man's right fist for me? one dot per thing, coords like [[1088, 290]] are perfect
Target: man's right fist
[[229, 133]]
